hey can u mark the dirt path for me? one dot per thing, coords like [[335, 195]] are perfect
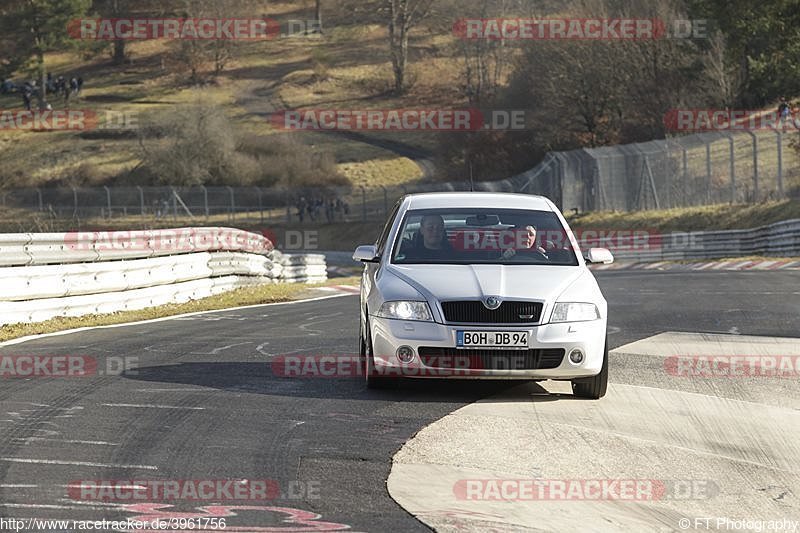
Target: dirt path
[[262, 99]]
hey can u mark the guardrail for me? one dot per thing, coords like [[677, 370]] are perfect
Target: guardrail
[[73, 274], [781, 239]]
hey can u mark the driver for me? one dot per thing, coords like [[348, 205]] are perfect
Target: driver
[[529, 248], [430, 241]]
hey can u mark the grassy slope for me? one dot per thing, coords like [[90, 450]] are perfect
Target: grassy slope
[[341, 70], [712, 217], [147, 88]]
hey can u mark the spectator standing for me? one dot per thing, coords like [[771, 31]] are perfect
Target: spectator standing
[[26, 99], [783, 112]]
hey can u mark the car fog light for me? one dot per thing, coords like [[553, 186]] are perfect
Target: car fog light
[[405, 354], [576, 356]]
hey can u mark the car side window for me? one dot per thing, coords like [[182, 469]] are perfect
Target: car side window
[[381, 243]]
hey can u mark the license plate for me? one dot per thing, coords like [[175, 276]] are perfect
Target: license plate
[[492, 339]]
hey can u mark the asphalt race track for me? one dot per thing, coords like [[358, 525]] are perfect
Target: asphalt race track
[[202, 403]]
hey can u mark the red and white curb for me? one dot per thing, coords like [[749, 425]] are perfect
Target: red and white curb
[[342, 289], [738, 265]]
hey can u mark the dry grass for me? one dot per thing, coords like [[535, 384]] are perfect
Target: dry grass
[[340, 70], [743, 162], [704, 218]]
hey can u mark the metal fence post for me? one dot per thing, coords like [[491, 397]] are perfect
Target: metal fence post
[[667, 175], [363, 203], [732, 163], [108, 200], [780, 163], [232, 215], [41, 202], [141, 200], [755, 165], [385, 202], [74, 202], [205, 200], [260, 206], [557, 191], [708, 172]]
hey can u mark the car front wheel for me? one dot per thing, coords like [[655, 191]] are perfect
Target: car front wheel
[[594, 387], [371, 377]]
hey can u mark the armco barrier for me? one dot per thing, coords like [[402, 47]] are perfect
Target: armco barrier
[[781, 239], [22, 249], [112, 302], [66, 274]]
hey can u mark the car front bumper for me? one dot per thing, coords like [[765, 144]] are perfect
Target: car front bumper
[[390, 334]]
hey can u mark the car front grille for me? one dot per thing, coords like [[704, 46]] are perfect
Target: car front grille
[[474, 312], [435, 357]]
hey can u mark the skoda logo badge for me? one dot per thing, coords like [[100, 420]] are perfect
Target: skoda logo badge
[[492, 302]]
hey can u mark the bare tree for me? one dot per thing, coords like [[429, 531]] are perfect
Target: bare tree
[[486, 61], [403, 16], [725, 78], [196, 54]]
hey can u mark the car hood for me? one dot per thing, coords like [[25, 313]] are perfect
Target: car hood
[[475, 282]]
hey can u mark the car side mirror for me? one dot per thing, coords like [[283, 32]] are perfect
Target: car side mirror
[[599, 256], [367, 254]]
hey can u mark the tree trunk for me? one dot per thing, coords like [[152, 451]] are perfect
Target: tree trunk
[[119, 52], [42, 80], [398, 46], [119, 44], [399, 60], [318, 14]]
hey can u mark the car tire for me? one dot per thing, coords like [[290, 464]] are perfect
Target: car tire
[[594, 387], [372, 380]]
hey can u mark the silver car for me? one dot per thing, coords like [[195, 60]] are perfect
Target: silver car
[[482, 285]]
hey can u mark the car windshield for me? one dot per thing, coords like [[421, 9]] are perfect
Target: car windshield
[[483, 236]]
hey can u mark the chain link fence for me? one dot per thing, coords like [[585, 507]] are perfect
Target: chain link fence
[[698, 169], [692, 170]]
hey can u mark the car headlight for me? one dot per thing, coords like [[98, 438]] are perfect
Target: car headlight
[[574, 312], [406, 311]]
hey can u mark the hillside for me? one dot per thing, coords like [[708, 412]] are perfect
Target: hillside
[[202, 111], [262, 78]]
